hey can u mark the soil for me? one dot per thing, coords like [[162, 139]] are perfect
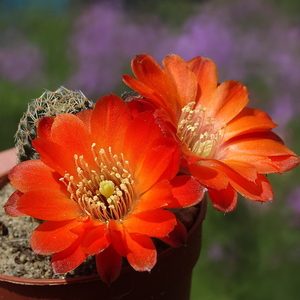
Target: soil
[[17, 258]]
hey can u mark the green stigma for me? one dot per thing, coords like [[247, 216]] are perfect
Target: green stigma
[[107, 188]]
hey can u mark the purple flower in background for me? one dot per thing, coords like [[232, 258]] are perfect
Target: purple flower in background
[[225, 255], [20, 60], [205, 34], [229, 35], [93, 48], [294, 200], [282, 111], [216, 253], [251, 41], [285, 66], [106, 38]]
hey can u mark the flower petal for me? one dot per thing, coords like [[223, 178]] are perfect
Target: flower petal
[[11, 206], [157, 223], [68, 259], [158, 164], [187, 191], [142, 89], [34, 174], [54, 156], [51, 237], [85, 116], [48, 205], [142, 255], [262, 164], [157, 159], [148, 72], [109, 264], [71, 132], [44, 127], [247, 170], [207, 76], [258, 144], [157, 197], [260, 190], [224, 200], [228, 100], [248, 120], [177, 236], [117, 235], [183, 79], [206, 172], [96, 240], [285, 162], [109, 121]]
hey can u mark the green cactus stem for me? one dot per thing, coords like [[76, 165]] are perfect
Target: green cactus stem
[[48, 104]]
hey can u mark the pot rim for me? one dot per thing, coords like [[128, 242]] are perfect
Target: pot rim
[[8, 160], [32, 281]]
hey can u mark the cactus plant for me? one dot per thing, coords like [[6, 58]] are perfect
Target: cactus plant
[[48, 104], [129, 95]]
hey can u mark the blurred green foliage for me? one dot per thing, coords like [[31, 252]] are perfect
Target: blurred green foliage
[[260, 252], [50, 33], [252, 253]]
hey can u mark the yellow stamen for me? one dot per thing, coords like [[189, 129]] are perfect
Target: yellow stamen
[[199, 131], [106, 192]]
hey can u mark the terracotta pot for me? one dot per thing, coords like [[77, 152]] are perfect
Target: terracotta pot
[[169, 279], [8, 159]]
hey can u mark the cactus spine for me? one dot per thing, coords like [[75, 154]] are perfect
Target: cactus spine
[[48, 104]]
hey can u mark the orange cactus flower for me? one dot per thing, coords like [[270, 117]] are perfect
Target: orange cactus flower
[[225, 145], [103, 182]]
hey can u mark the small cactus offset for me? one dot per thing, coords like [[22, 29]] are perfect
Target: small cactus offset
[[48, 104]]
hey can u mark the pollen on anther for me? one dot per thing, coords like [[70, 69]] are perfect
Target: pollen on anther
[[198, 131]]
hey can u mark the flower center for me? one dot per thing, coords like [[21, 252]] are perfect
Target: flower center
[[198, 131], [106, 193]]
